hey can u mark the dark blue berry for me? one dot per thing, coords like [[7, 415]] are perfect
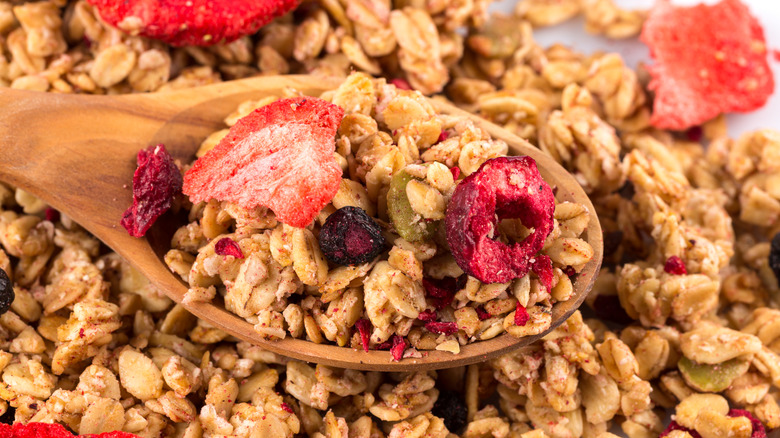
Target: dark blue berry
[[6, 292], [351, 237], [450, 408], [774, 256]]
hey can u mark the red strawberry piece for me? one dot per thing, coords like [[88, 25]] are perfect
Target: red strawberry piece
[[115, 434], [427, 315], [675, 266], [192, 22], [228, 247], [441, 292], [483, 314], [364, 328], [51, 214], [155, 183], [399, 345], [542, 267], [280, 156], [710, 59], [51, 430], [677, 426], [444, 328], [455, 171], [521, 315]]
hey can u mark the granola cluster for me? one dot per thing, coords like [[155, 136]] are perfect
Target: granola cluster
[[683, 319]]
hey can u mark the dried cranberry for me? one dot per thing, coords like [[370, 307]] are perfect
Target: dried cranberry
[[455, 171], [774, 256], [758, 427], [608, 308], [364, 328], [427, 315], [155, 183], [442, 328], [351, 237], [542, 267], [675, 266], [450, 408], [483, 314], [443, 136], [228, 247], [6, 292], [676, 426], [384, 345], [502, 188], [399, 345], [521, 315], [287, 408], [51, 214], [401, 83]]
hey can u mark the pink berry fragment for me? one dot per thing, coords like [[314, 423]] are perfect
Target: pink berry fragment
[[155, 183], [287, 408], [399, 345], [442, 292], [758, 427], [675, 266], [521, 315], [443, 328], [427, 315], [542, 267], [228, 247], [483, 314], [51, 214], [401, 83], [455, 171], [677, 426], [364, 328]]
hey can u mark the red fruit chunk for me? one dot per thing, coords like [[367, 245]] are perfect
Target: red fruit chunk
[[401, 83], [280, 156], [676, 426], [502, 188], [675, 266], [51, 214], [399, 345], [521, 315], [455, 171], [51, 430], [709, 60], [115, 434], [228, 247], [543, 268], [155, 182], [287, 408], [444, 328], [194, 22], [758, 427], [427, 316], [441, 292], [364, 328], [483, 314]]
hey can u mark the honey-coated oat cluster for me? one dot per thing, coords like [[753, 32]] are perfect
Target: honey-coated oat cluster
[[683, 319]]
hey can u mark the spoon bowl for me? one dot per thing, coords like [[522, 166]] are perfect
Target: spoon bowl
[[78, 154]]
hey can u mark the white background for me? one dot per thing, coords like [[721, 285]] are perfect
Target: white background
[[572, 33]]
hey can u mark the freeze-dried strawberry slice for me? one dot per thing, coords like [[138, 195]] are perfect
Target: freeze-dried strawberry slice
[[47, 430], [709, 60], [194, 22], [280, 156]]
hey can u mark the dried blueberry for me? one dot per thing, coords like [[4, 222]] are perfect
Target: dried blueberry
[[6, 292], [450, 408], [351, 237], [774, 256]]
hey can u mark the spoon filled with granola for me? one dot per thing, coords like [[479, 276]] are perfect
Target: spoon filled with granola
[[329, 222]]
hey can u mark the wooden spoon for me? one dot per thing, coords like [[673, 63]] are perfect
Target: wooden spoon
[[78, 153]]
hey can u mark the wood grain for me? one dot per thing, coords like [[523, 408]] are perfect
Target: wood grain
[[78, 154]]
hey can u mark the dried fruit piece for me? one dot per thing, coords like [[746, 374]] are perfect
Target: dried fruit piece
[[408, 224], [712, 378], [441, 292], [155, 182], [50, 430], [502, 188], [6, 292], [350, 237], [450, 408], [710, 59], [675, 266], [521, 315], [483, 314], [443, 328], [51, 214], [427, 316], [228, 247], [774, 256], [543, 268], [364, 328], [287, 408], [279, 156], [677, 426], [399, 345], [194, 22], [758, 427]]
